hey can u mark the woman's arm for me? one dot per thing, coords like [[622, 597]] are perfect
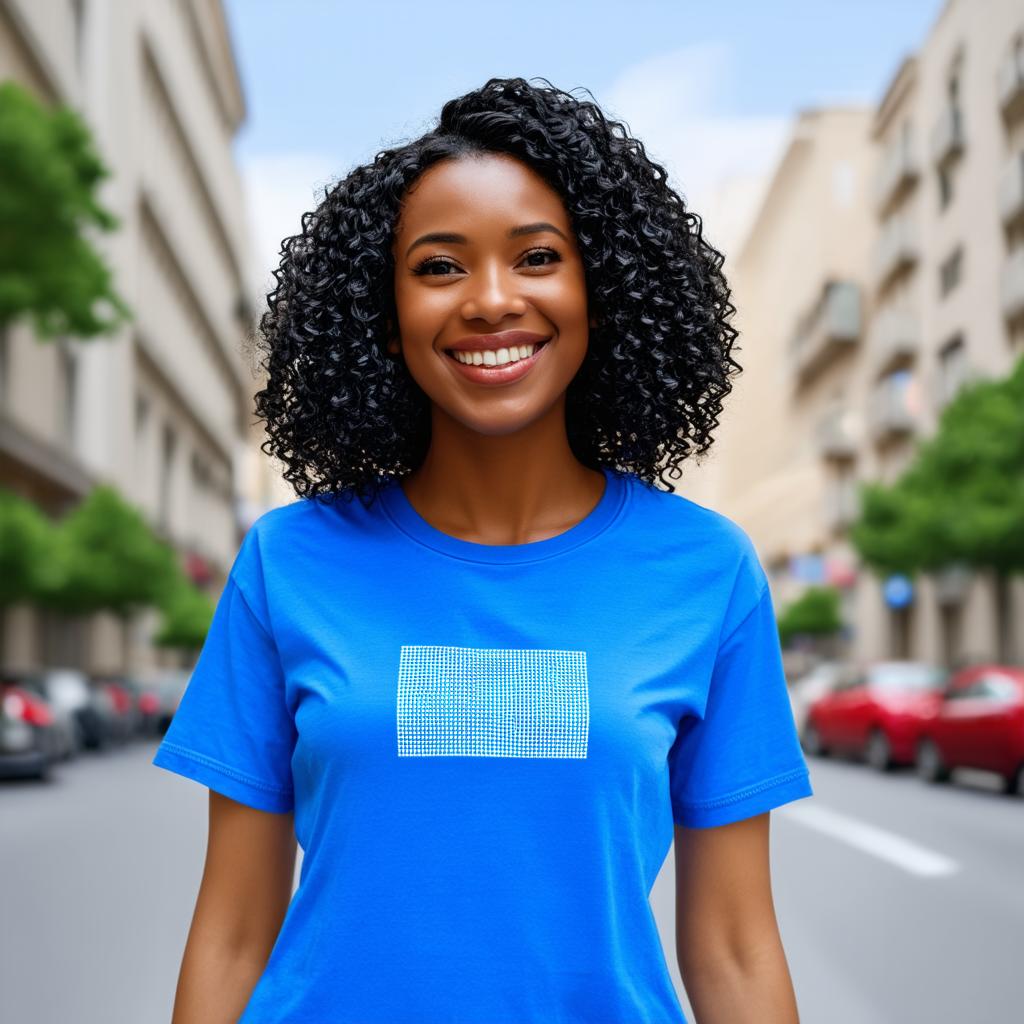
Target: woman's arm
[[243, 897], [728, 945]]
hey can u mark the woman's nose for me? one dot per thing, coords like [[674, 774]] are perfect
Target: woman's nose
[[494, 295]]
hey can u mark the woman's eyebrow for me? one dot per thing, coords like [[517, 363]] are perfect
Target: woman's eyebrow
[[452, 237]]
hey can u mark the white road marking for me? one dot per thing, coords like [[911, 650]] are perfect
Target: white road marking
[[879, 842]]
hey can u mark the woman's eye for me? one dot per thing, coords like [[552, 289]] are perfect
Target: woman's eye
[[426, 267], [541, 252], [435, 266]]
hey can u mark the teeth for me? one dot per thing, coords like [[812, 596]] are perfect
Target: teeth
[[501, 357]]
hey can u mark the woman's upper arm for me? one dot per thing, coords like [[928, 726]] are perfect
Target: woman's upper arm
[[248, 876], [724, 906]]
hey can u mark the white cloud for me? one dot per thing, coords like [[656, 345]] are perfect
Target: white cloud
[[719, 162]]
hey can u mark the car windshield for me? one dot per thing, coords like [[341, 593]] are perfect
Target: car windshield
[[907, 676]]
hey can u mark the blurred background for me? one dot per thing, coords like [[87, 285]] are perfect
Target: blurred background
[[860, 165]]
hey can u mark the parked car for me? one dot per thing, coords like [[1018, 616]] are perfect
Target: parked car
[[147, 701], [26, 732], [979, 723], [813, 684], [124, 702], [64, 730], [169, 686], [875, 712], [90, 705]]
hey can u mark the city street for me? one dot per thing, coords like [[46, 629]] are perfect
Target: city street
[[897, 902]]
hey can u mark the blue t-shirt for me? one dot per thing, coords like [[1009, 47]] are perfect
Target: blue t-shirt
[[486, 748]]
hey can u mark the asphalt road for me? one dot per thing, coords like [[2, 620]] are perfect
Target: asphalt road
[[898, 902]]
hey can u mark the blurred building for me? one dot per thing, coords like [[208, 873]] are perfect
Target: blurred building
[[162, 410], [885, 268]]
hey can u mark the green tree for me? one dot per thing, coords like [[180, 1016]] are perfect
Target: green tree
[[187, 613], [49, 173], [26, 539], [962, 498], [814, 613], [106, 557]]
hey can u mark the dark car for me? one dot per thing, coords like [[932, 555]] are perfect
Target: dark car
[[979, 723], [26, 732], [46, 686], [121, 698], [169, 687], [90, 705], [875, 711]]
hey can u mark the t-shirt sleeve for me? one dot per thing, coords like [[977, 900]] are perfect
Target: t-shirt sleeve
[[742, 757], [232, 730]]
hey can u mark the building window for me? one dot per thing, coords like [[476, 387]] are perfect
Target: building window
[[950, 271], [166, 471], [67, 405], [952, 368], [5, 363], [141, 414], [945, 175]]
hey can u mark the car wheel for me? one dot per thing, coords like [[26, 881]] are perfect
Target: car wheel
[[1013, 785], [929, 763], [878, 751], [810, 740]]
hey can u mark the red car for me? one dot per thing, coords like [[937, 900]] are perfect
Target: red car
[[978, 724], [876, 711]]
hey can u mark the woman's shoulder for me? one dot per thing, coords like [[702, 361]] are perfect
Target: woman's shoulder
[[683, 516], [308, 525]]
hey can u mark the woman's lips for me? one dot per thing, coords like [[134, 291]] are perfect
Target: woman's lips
[[506, 374]]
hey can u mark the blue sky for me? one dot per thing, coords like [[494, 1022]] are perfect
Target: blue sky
[[711, 88]]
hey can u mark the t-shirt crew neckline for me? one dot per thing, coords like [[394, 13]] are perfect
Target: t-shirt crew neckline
[[609, 507]]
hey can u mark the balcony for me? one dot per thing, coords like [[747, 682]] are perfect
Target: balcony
[[1010, 84], [895, 339], [831, 326], [835, 435], [891, 411], [842, 506], [897, 249], [1012, 285], [948, 136], [897, 173], [1011, 191]]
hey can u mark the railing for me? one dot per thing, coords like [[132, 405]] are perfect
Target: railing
[[832, 324], [948, 135], [897, 171]]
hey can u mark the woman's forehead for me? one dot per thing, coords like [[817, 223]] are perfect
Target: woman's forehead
[[479, 191]]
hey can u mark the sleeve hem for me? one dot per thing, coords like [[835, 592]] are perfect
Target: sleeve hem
[[223, 779], [745, 803]]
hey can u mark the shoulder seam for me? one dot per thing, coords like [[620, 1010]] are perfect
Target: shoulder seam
[[752, 609], [248, 604]]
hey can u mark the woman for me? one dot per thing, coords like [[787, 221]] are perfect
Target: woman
[[486, 696]]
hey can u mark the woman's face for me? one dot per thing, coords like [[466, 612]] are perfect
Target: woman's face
[[484, 246]]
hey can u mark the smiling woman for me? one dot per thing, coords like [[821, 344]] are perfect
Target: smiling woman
[[487, 702]]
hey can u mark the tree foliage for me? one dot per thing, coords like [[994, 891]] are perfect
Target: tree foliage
[[105, 556], [962, 498], [49, 270], [26, 539], [814, 613], [188, 613]]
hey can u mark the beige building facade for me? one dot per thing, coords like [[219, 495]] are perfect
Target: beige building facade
[[162, 410], [884, 270]]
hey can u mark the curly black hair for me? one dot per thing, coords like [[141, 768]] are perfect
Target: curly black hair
[[345, 417]]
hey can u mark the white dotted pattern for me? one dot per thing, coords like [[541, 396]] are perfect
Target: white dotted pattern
[[492, 702]]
